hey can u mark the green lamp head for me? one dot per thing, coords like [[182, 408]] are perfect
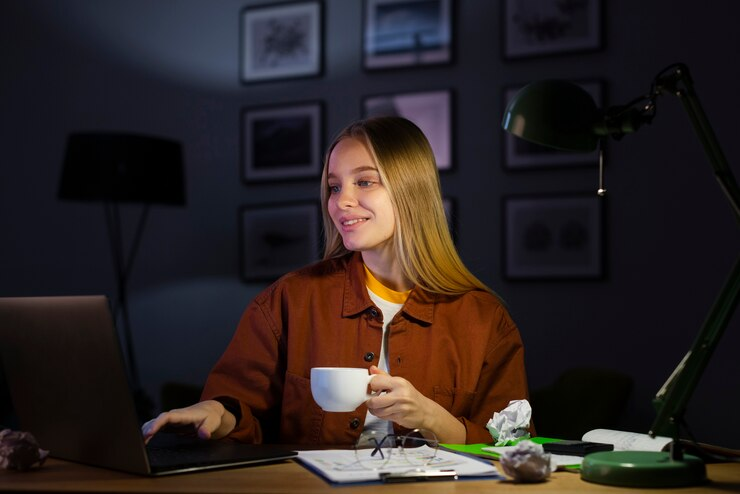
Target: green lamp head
[[554, 113]]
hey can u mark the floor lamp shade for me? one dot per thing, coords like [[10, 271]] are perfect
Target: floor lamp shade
[[122, 168]]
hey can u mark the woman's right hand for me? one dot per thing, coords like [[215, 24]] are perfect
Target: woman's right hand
[[208, 419]]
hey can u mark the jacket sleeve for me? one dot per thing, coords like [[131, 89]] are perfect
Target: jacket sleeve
[[249, 377], [503, 378]]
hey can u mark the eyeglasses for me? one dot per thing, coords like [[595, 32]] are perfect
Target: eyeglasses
[[418, 449]]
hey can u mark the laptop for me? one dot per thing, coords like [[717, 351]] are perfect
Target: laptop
[[68, 383]]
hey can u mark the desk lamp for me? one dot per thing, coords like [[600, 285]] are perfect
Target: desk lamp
[[115, 168], [562, 115]]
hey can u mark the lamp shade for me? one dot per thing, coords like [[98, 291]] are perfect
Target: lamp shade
[[101, 166], [553, 113]]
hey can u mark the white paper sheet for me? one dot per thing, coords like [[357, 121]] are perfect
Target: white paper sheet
[[627, 441], [341, 466]]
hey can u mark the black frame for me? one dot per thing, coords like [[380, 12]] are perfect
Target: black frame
[[555, 236], [440, 48], [281, 142], [577, 30], [519, 154], [275, 239], [296, 26], [432, 111]]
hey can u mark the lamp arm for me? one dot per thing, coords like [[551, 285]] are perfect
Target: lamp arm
[[618, 121], [679, 82], [673, 397]]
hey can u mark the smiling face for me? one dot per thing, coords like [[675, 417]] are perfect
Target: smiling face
[[359, 204]]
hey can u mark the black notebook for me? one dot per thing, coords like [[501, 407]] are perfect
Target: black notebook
[[67, 379]]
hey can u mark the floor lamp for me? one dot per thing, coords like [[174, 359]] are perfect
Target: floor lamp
[[115, 168], [562, 115]]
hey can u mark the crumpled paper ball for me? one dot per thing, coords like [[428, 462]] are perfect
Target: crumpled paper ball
[[20, 451], [526, 462], [511, 424]]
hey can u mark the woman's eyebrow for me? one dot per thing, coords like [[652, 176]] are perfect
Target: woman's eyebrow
[[359, 169]]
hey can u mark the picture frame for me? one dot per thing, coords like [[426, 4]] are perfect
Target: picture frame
[[431, 111], [406, 33], [553, 237], [536, 28], [277, 239], [281, 41], [281, 142], [519, 154]]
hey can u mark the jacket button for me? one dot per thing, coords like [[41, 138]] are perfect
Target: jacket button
[[354, 423], [374, 312], [369, 356]]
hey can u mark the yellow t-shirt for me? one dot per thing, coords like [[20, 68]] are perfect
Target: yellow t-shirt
[[382, 291]]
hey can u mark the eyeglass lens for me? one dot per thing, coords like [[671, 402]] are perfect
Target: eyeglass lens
[[374, 449], [419, 447]]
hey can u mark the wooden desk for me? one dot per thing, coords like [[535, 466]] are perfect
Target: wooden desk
[[290, 477]]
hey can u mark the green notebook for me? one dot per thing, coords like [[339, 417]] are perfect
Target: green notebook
[[477, 449]]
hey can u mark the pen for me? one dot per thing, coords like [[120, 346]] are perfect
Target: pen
[[418, 475]]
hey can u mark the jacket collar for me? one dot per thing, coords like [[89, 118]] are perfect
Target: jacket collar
[[419, 305]]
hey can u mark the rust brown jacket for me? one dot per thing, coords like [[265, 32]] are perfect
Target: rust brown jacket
[[463, 351]]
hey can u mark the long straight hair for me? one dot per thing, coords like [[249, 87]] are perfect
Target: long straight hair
[[422, 242]]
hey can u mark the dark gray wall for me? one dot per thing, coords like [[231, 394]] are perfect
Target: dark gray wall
[[170, 68]]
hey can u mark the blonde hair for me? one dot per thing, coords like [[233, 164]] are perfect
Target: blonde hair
[[422, 242]]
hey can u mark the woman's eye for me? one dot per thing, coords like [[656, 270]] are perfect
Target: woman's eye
[[333, 189], [365, 183]]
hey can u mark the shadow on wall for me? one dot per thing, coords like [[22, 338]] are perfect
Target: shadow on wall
[[181, 329], [8, 418], [579, 400], [179, 395]]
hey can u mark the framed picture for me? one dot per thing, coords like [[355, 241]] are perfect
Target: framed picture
[[520, 154], [430, 110], [274, 240], [547, 27], [281, 41], [406, 33], [281, 142], [553, 237]]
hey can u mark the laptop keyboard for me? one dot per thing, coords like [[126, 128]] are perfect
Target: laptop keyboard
[[186, 451], [182, 456], [174, 452]]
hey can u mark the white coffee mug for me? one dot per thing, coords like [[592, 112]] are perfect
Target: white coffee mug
[[340, 389]]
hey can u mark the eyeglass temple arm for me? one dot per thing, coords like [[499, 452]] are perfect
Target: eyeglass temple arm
[[379, 445]]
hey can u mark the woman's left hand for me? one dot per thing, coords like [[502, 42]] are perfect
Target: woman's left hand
[[400, 402]]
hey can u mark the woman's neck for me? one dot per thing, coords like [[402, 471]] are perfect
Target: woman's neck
[[389, 273]]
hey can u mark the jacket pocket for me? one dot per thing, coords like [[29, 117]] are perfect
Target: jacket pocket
[[457, 401], [301, 416]]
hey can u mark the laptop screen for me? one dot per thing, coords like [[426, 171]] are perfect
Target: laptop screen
[[67, 378]]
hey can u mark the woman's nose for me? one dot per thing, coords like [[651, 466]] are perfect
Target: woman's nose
[[346, 198]]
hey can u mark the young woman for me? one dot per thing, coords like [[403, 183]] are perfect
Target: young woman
[[391, 294]]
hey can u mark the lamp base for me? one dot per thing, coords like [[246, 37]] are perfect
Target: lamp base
[[642, 469]]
